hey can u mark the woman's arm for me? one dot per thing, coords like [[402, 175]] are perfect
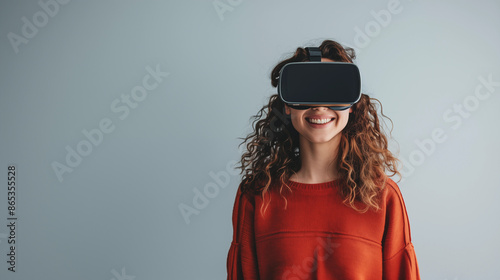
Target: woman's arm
[[399, 258], [242, 257]]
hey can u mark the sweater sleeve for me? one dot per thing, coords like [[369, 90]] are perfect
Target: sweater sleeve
[[242, 257], [400, 261]]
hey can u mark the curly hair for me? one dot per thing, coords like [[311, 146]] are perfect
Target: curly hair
[[363, 157]]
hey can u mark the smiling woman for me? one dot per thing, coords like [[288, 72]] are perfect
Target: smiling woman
[[329, 167]]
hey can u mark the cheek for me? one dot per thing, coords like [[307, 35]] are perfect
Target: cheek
[[296, 117], [296, 121], [343, 118]]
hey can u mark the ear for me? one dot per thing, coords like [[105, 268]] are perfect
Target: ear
[[350, 110], [287, 110]]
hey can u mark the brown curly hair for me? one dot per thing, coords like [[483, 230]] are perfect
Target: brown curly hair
[[273, 153]]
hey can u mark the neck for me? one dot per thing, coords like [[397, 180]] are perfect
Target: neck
[[318, 161]]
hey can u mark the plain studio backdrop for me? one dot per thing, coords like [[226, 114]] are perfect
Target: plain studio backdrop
[[121, 120]]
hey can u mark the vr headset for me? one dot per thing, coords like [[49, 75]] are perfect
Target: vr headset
[[336, 85]]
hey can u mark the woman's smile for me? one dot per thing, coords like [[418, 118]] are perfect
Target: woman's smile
[[320, 122]]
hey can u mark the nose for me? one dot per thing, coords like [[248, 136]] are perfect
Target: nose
[[319, 107]]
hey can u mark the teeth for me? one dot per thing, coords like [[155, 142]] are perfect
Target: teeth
[[319, 121]]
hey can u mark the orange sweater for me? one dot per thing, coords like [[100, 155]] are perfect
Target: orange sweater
[[318, 237]]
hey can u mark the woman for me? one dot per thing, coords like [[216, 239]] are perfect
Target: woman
[[315, 201]]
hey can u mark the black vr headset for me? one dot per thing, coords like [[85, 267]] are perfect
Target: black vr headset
[[336, 85]]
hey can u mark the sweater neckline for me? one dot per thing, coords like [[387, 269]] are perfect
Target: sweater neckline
[[313, 186]]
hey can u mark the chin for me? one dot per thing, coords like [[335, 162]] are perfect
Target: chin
[[316, 139]]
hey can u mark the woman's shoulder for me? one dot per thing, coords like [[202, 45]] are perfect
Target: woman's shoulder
[[246, 192], [391, 188], [392, 196], [393, 200], [252, 192]]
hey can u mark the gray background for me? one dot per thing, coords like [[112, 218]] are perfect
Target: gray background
[[116, 215]]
